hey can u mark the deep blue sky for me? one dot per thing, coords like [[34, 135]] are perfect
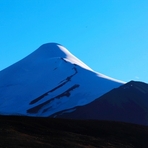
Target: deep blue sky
[[110, 36]]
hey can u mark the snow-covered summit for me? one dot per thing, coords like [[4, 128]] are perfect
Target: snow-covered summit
[[55, 50], [50, 80]]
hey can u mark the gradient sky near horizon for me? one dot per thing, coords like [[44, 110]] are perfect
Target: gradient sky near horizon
[[110, 36]]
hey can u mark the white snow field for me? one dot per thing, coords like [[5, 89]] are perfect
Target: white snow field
[[50, 80]]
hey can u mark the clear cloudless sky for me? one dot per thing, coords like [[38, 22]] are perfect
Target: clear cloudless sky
[[110, 36]]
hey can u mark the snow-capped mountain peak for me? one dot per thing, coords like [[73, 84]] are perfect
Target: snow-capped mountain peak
[[50, 80], [55, 50]]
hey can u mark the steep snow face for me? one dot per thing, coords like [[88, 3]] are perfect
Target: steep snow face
[[50, 80]]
